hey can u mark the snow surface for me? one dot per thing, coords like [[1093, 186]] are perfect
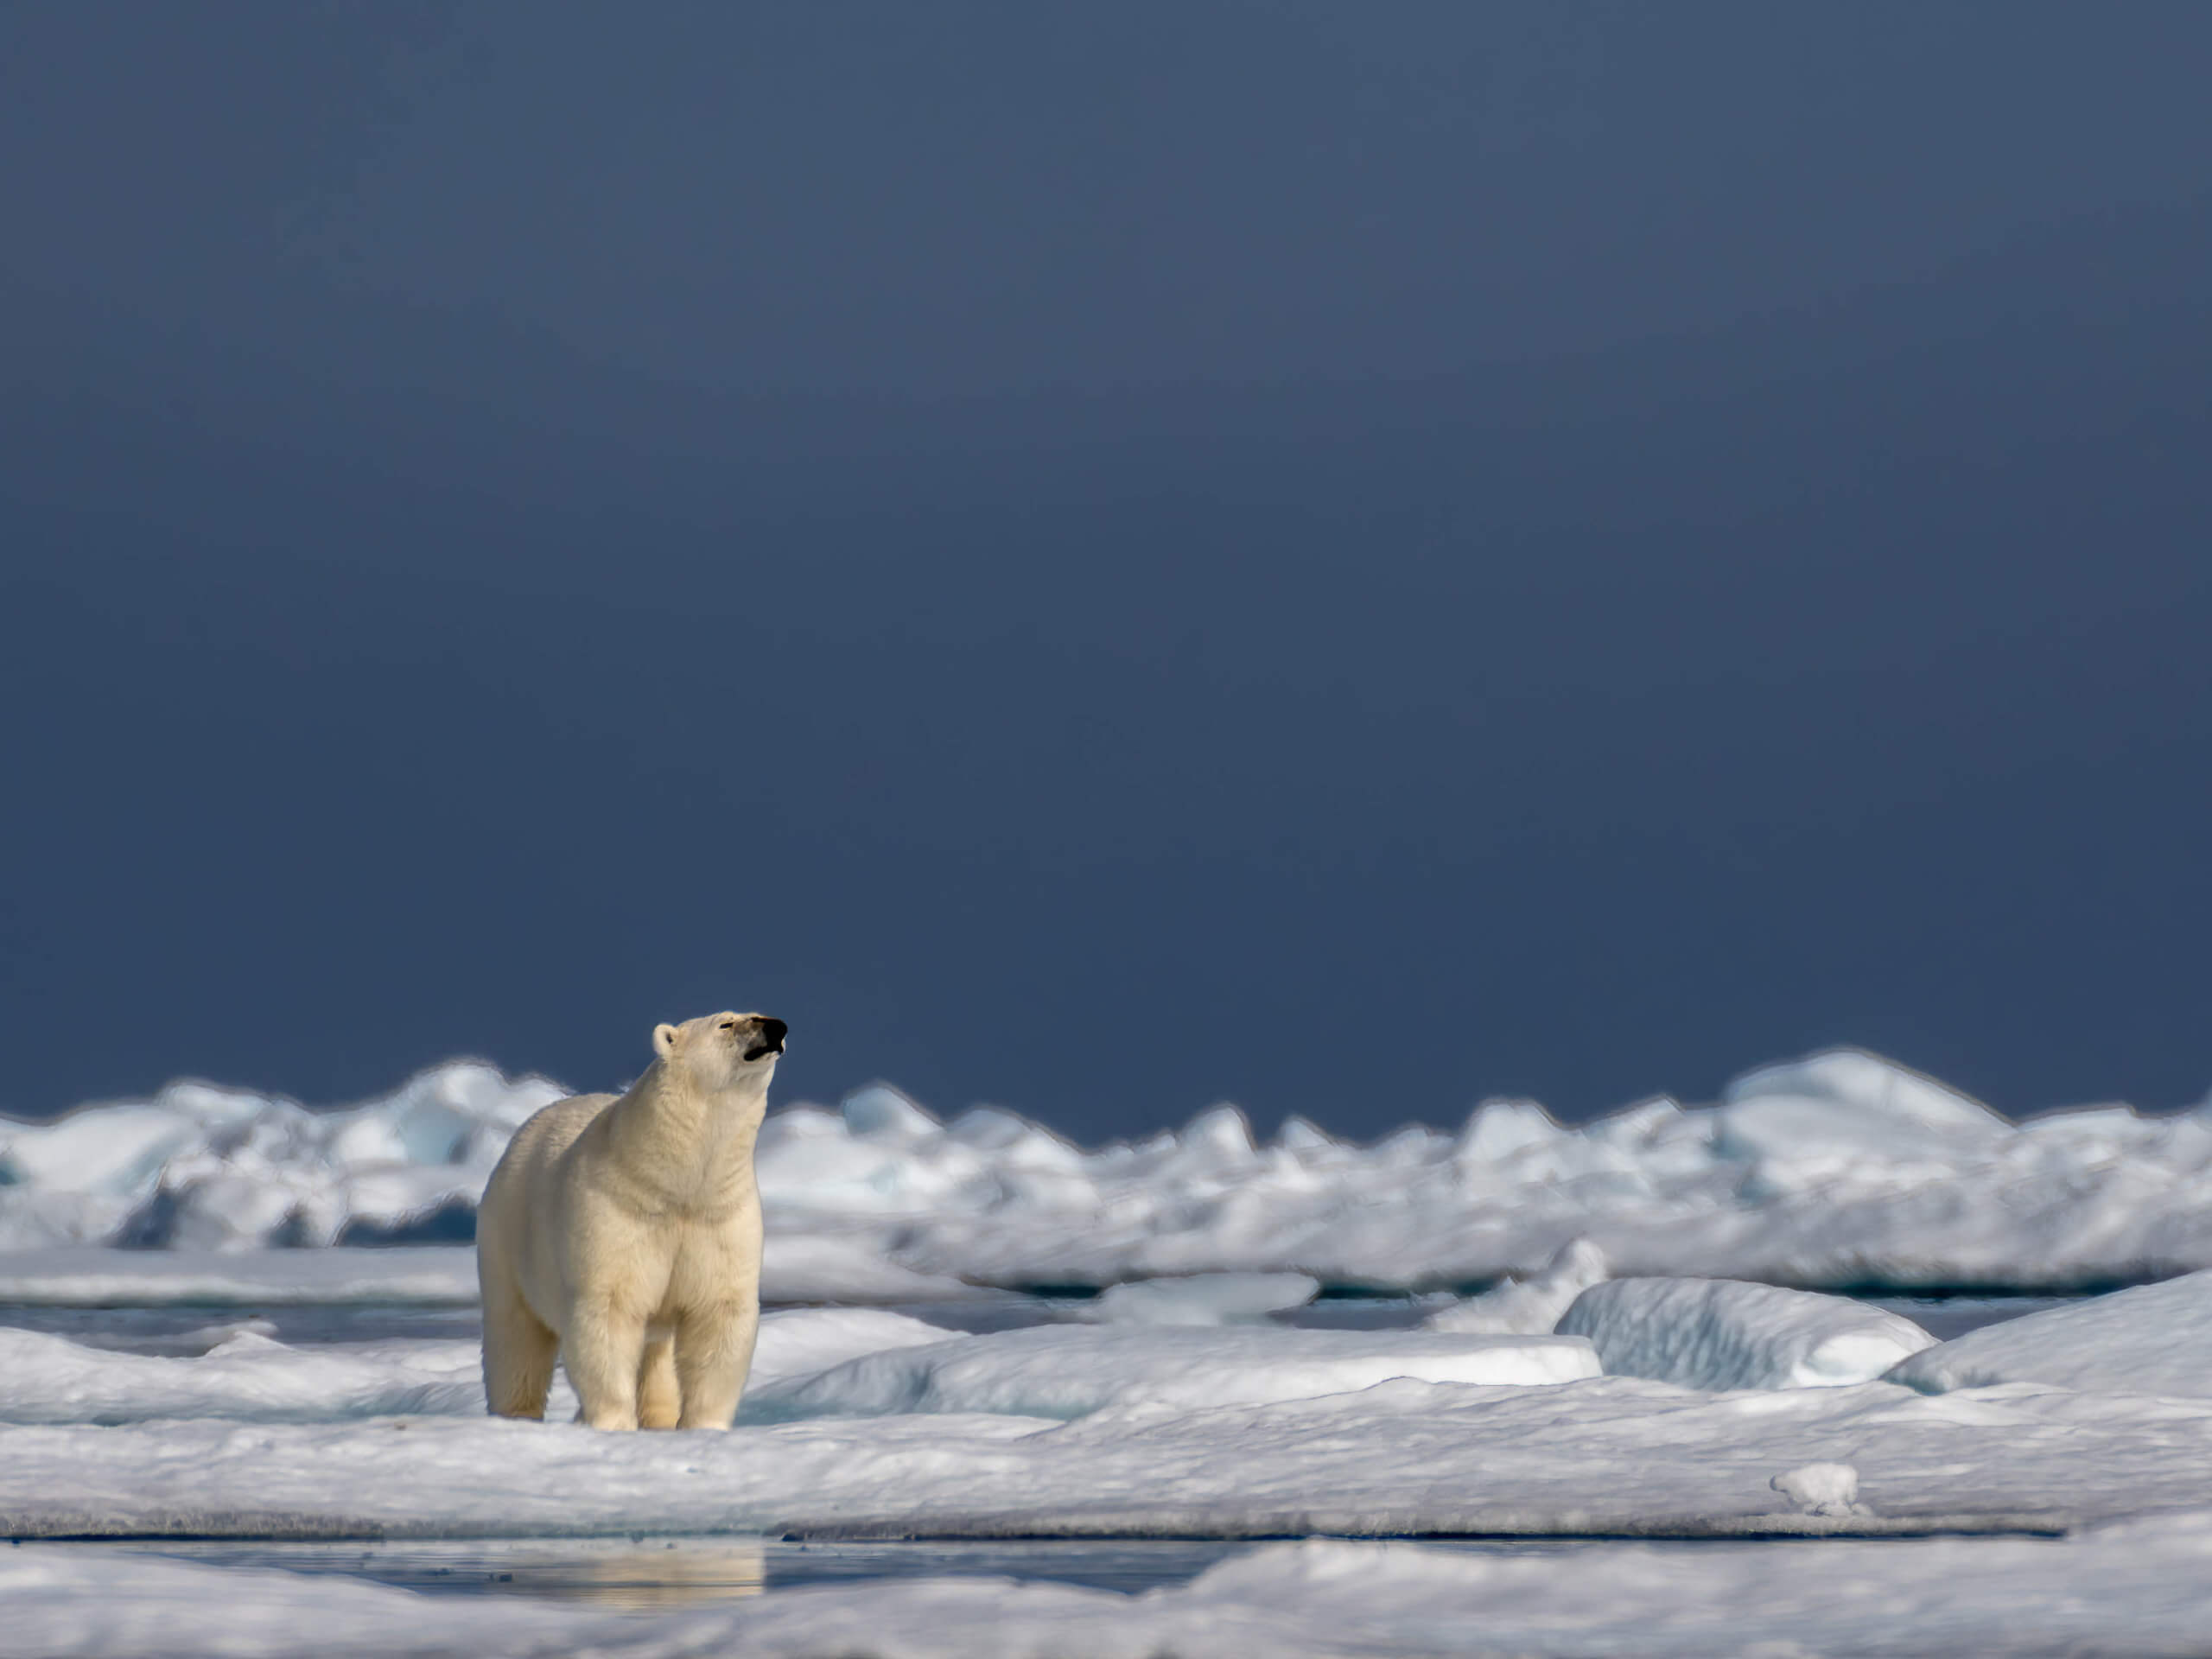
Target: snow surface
[[1060, 1431], [1067, 1371], [809, 1363], [2126, 1589], [1842, 1170], [244, 1375], [1723, 1333], [2153, 1339]]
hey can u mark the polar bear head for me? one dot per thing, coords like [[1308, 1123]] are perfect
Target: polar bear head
[[720, 1052]]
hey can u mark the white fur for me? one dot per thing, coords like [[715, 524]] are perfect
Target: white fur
[[626, 1235]]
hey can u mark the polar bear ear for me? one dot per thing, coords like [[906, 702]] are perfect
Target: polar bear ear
[[664, 1040]]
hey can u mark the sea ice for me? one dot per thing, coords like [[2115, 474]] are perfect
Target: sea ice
[[245, 1376], [1842, 1170], [1606, 1456], [1723, 1333], [2153, 1339]]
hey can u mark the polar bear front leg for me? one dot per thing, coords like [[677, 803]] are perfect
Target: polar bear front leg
[[714, 1350], [659, 1398], [604, 1349]]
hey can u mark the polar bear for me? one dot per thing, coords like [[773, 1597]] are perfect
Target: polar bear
[[625, 1235]]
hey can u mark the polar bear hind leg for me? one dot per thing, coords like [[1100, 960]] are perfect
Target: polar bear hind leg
[[659, 1402], [519, 1353]]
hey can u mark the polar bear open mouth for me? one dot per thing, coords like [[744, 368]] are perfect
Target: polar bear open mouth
[[762, 1051]]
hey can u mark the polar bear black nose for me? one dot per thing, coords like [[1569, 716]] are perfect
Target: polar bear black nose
[[773, 1031]]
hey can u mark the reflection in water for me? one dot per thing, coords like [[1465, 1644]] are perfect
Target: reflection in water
[[642, 1579], [657, 1574], [634, 1577]]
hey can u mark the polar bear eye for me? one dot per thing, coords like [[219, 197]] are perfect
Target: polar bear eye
[[729, 1024]]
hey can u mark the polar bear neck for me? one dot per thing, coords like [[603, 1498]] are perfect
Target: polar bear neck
[[693, 1145]]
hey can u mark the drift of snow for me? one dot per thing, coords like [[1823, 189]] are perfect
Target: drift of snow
[[1722, 1334], [46, 1379], [1064, 1371], [809, 1362], [1530, 1305], [2153, 1339], [1842, 1169], [1202, 1299]]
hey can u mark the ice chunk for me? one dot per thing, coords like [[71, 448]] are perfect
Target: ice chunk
[[879, 1112], [1822, 1488], [2153, 1339], [1844, 1115], [1202, 1299], [1499, 1128], [1531, 1306], [1721, 1333], [802, 1341], [47, 1379], [1066, 1371], [1857, 1082]]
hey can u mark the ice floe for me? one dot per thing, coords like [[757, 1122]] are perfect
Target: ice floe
[[1604, 1456], [1722, 1334], [1839, 1171]]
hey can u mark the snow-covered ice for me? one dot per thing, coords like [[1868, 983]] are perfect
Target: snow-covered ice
[[244, 1375], [1842, 1170], [49, 1379], [1527, 1304], [1176, 1403], [1067, 1371], [1722, 1334], [1062, 1431], [2153, 1339]]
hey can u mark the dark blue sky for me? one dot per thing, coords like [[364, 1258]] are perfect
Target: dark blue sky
[[1106, 558]]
